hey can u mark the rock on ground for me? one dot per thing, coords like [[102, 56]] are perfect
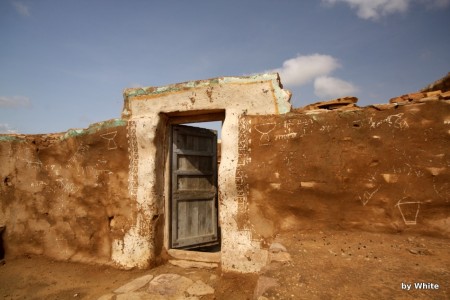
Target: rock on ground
[[199, 288], [134, 285]]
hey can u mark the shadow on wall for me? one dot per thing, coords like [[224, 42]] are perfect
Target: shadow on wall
[[2, 250]]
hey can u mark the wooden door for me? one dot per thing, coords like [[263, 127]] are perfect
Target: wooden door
[[194, 187]]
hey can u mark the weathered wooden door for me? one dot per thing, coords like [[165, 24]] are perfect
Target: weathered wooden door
[[194, 187]]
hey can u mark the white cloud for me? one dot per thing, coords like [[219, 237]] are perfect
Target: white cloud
[[375, 9], [14, 101], [331, 87], [5, 128], [21, 8], [304, 68]]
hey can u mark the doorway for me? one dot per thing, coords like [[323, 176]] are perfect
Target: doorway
[[193, 158]]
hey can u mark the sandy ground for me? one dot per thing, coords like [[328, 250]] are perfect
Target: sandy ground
[[324, 265]]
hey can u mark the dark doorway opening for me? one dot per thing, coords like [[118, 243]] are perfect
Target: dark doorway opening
[[194, 160]]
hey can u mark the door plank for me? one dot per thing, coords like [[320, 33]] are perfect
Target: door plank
[[194, 187]]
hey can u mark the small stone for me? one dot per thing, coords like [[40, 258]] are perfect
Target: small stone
[[280, 256], [397, 100], [169, 285], [446, 95], [193, 264], [199, 288], [436, 171], [134, 285], [433, 93], [420, 251], [277, 247], [415, 96], [414, 251], [431, 98]]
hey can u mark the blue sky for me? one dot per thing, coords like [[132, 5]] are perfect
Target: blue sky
[[65, 63]]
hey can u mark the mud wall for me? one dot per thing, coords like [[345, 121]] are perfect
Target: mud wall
[[65, 196], [100, 195], [381, 168]]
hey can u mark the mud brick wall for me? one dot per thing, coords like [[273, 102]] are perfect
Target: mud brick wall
[[65, 196], [382, 168]]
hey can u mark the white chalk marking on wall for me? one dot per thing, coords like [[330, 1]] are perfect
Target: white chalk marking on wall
[[110, 138], [288, 124], [367, 196], [288, 136], [408, 219], [443, 191], [62, 244], [408, 170], [36, 165], [244, 143], [38, 184], [30, 158], [325, 128], [55, 169], [419, 173], [373, 177], [304, 126], [91, 171], [133, 156], [81, 150], [67, 186], [262, 165], [396, 121], [244, 150], [265, 129], [305, 123]]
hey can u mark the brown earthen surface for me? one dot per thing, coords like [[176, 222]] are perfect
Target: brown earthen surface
[[327, 264], [65, 196], [371, 170]]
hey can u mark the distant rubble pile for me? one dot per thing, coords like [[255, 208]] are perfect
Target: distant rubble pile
[[338, 103], [442, 84], [438, 90], [421, 97]]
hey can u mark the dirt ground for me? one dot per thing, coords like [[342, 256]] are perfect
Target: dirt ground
[[324, 265]]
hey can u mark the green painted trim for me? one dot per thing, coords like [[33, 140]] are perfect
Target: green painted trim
[[93, 128], [282, 96], [11, 138], [150, 90]]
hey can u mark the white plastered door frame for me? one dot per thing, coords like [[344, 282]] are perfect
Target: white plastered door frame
[[148, 111]]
